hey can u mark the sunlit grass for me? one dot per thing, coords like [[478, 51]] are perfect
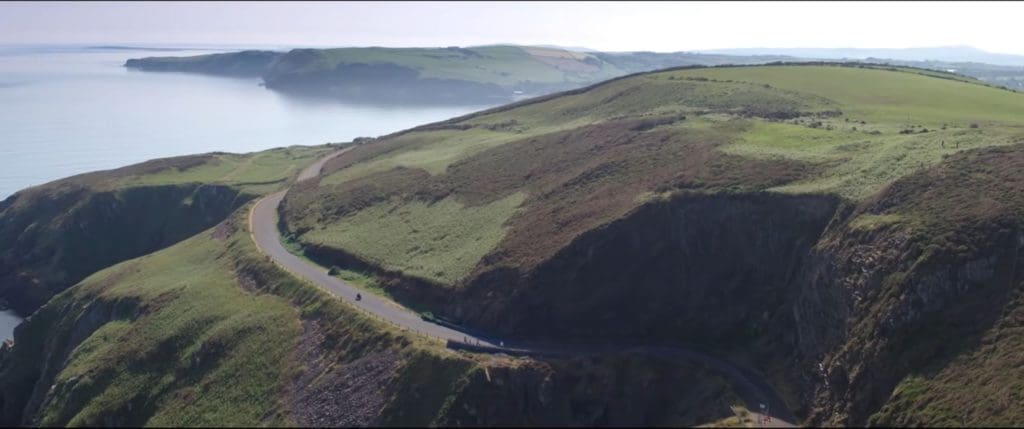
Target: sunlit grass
[[859, 163], [880, 95], [257, 172], [441, 241], [230, 346]]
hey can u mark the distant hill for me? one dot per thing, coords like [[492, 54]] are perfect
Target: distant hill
[[501, 73], [944, 53], [481, 74], [243, 64], [430, 75], [568, 48]]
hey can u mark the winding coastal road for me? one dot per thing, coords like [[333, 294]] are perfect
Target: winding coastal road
[[263, 221]]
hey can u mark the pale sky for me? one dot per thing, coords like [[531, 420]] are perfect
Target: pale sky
[[626, 26]]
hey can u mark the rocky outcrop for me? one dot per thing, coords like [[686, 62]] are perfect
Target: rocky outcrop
[[876, 306], [657, 272], [610, 391]]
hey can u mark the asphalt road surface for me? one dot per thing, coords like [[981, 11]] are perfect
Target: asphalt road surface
[[263, 224]]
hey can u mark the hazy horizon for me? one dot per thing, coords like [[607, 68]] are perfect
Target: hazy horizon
[[642, 26], [172, 46]]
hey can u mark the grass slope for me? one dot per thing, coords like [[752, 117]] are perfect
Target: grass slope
[[255, 173], [207, 333], [210, 333], [502, 65], [229, 346], [53, 235], [435, 241]]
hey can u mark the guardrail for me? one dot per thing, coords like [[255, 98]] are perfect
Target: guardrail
[[389, 322], [480, 348]]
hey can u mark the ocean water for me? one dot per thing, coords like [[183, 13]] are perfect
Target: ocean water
[[70, 110], [8, 320]]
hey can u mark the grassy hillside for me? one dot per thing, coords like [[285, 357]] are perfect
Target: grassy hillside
[[840, 217], [241, 64], [475, 75], [487, 74], [203, 333], [209, 333], [481, 74], [53, 235], [823, 129], [853, 233], [502, 65]]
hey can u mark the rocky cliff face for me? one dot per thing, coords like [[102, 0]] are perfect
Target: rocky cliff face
[[884, 299], [238, 64], [49, 240], [43, 344], [610, 391], [836, 303], [655, 273]]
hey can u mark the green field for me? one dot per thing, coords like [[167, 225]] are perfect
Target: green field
[[877, 95], [435, 241], [256, 173], [499, 65]]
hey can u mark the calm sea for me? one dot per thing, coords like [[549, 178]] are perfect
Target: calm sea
[[69, 110], [8, 320]]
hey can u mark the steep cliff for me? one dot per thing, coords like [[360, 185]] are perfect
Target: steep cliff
[[919, 287], [54, 235], [52, 241], [238, 64]]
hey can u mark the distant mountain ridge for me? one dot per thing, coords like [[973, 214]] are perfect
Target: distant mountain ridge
[[941, 53]]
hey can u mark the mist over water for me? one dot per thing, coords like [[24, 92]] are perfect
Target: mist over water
[[71, 110]]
